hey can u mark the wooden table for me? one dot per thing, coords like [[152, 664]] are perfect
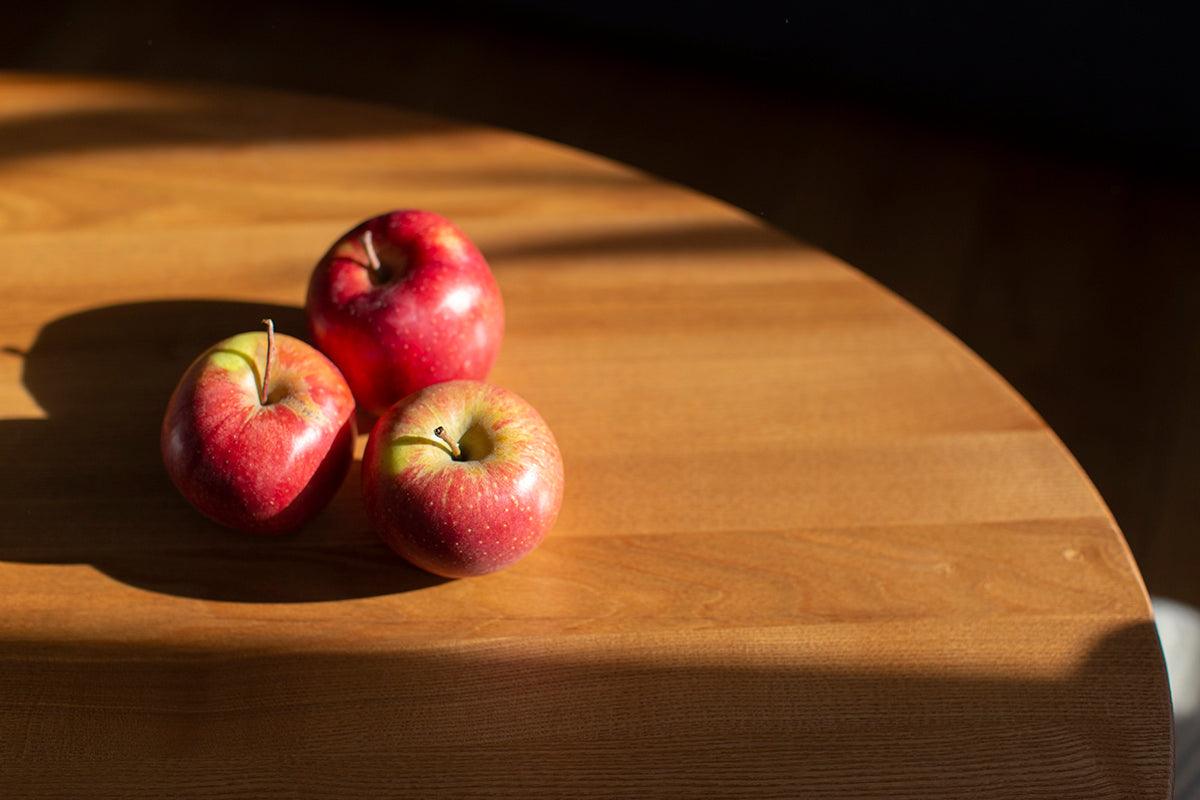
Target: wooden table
[[810, 545]]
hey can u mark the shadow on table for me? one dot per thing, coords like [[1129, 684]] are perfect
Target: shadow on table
[[87, 485], [222, 116], [677, 241], [492, 720]]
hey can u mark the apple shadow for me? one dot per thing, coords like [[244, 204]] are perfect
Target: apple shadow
[[89, 486]]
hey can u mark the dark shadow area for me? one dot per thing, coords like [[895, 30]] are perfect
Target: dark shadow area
[[1187, 758], [1101, 81], [229, 118], [657, 241], [692, 717], [91, 487]]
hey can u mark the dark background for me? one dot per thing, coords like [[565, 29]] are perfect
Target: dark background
[[1024, 173]]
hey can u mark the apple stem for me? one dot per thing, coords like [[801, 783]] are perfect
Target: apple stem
[[267, 366], [372, 257], [440, 432]]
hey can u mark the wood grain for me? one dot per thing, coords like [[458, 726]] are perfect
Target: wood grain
[[810, 545]]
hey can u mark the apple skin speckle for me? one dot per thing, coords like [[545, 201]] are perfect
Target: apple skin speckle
[[435, 314]]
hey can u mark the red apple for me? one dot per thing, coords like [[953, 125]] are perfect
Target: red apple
[[262, 456], [462, 478], [403, 301]]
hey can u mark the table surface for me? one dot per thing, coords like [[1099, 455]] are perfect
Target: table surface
[[810, 544]]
